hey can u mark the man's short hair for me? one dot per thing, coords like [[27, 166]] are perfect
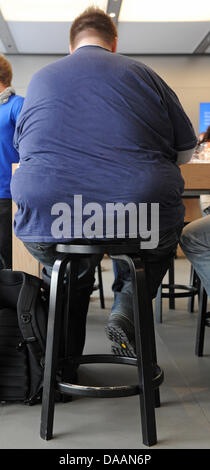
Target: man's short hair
[[5, 71], [93, 20]]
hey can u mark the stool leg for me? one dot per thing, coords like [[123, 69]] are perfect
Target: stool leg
[[52, 348], [72, 274], [171, 283], [198, 285], [142, 322], [157, 398], [100, 284], [158, 305], [153, 347], [201, 323], [154, 354], [193, 282]]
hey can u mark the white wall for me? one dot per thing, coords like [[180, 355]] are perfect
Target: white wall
[[24, 66], [189, 76]]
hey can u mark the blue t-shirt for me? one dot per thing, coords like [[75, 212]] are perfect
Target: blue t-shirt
[[102, 126], [8, 116]]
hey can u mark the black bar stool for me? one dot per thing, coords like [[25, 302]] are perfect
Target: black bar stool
[[188, 291], [99, 286], [148, 385], [203, 321], [194, 282]]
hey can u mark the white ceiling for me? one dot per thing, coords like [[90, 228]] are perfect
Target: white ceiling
[[161, 37], [2, 48], [135, 37]]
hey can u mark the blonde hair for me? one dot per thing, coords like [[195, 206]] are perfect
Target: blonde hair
[[5, 71]]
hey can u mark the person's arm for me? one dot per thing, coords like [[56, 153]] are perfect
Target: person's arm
[[185, 140], [185, 156], [16, 109], [15, 113]]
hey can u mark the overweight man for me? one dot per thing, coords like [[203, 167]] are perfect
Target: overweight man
[[100, 129]]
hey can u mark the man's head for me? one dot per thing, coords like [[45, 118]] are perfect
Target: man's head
[[93, 26], [5, 73]]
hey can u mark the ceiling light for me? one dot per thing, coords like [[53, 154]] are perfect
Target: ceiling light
[[161, 10], [46, 10], [112, 15]]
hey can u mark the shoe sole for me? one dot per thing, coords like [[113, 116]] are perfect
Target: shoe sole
[[122, 345]]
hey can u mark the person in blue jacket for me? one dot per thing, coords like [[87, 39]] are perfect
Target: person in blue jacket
[[10, 107]]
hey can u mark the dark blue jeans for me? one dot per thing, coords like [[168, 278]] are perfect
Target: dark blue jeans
[[46, 255]]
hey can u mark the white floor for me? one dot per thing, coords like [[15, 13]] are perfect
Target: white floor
[[183, 420]]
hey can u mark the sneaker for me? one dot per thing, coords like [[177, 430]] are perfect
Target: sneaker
[[121, 333]]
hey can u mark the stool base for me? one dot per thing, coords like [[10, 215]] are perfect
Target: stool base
[[147, 387]]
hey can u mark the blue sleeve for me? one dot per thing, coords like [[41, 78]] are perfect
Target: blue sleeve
[[184, 135], [16, 108], [15, 113]]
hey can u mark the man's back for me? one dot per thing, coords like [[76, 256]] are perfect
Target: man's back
[[102, 126]]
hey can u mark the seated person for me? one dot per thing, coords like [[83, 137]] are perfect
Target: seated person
[[98, 128], [195, 242]]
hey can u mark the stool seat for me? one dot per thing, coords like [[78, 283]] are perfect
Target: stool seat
[[102, 248]]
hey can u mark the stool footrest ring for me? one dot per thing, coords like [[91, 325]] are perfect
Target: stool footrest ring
[[108, 391], [190, 291]]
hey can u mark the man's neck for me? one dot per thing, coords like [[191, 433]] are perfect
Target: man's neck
[[92, 42]]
